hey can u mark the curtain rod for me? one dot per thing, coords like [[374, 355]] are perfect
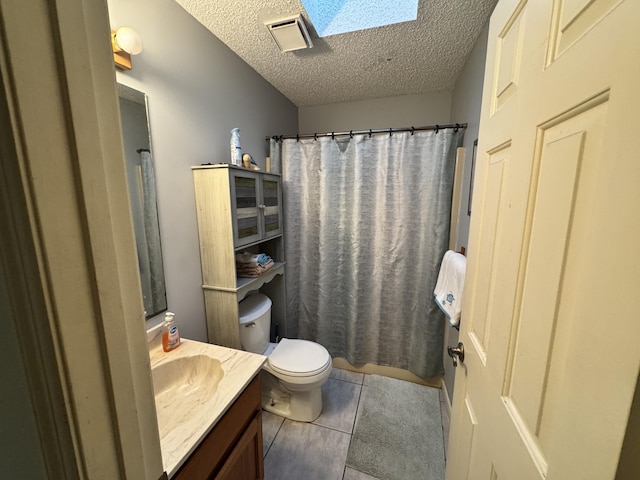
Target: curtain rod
[[351, 133]]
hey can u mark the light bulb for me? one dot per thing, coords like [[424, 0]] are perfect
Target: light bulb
[[127, 39]]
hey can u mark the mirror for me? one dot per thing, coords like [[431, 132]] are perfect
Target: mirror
[[142, 197]]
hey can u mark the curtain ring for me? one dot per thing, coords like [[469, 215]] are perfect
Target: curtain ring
[[281, 138], [412, 130], [437, 129], [390, 133], [457, 128], [297, 137], [370, 132], [350, 133], [315, 137], [332, 136]]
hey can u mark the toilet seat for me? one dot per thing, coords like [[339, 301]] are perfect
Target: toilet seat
[[299, 358]]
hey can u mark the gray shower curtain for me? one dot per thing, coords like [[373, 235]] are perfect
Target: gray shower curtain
[[366, 225]]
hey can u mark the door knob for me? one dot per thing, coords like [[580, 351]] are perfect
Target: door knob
[[456, 353]]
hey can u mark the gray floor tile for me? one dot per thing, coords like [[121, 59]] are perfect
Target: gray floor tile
[[340, 403], [362, 394], [306, 451], [347, 376], [351, 474], [295, 450], [270, 425], [365, 380]]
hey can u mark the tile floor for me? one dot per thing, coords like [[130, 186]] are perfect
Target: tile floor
[[318, 450]]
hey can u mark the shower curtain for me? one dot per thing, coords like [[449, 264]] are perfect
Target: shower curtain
[[152, 279], [366, 224]]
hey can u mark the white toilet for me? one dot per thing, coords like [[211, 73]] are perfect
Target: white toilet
[[295, 370]]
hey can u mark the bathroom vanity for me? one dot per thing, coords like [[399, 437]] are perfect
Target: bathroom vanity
[[208, 406], [233, 449], [238, 210]]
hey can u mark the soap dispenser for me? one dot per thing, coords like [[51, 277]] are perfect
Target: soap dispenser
[[170, 333]]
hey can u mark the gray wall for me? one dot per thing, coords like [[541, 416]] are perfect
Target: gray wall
[[198, 91], [465, 105], [389, 112]]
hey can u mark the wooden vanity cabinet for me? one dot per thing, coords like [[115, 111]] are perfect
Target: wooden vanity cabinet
[[238, 210], [233, 448]]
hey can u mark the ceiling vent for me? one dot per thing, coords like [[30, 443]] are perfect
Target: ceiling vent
[[290, 33]]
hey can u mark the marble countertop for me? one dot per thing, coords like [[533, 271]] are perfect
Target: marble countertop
[[239, 369]]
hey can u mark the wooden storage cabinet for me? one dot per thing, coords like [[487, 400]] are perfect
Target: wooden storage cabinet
[[238, 210], [233, 448]]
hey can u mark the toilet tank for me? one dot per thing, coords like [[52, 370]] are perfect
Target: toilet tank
[[255, 322]]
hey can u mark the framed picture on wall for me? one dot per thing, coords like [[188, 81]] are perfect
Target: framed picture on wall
[[473, 168]]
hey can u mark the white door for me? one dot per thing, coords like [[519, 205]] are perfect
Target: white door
[[551, 314]]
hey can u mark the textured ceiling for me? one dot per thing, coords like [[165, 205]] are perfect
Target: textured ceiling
[[421, 56]]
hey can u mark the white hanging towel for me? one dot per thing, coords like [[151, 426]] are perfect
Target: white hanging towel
[[450, 285]]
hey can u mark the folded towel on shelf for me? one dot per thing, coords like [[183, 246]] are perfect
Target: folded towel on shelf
[[244, 270], [253, 258], [251, 267], [450, 285]]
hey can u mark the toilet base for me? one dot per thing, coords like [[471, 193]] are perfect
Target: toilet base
[[299, 406]]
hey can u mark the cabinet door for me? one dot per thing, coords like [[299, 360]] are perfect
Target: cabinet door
[[245, 462], [245, 201], [271, 205]]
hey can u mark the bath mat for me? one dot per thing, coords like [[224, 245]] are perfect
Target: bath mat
[[398, 432]]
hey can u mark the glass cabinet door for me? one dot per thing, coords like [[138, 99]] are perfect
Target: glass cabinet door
[[246, 212], [271, 200]]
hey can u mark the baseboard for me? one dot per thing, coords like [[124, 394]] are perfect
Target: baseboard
[[446, 396], [392, 372]]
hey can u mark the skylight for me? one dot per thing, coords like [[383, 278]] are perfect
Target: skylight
[[331, 17]]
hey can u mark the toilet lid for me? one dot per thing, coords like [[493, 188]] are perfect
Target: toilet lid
[[299, 357]]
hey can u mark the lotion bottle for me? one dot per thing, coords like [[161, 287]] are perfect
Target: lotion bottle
[[236, 150], [170, 333]]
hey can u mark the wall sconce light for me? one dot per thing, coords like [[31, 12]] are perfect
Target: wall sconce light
[[125, 42]]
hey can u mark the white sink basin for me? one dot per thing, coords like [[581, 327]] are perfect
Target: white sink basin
[[183, 385]]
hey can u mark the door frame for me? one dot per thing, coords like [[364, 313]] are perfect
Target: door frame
[[68, 253]]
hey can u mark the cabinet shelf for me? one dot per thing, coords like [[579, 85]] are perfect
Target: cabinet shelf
[[246, 285], [241, 248]]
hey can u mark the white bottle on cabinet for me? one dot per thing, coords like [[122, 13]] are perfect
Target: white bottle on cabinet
[[236, 150]]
